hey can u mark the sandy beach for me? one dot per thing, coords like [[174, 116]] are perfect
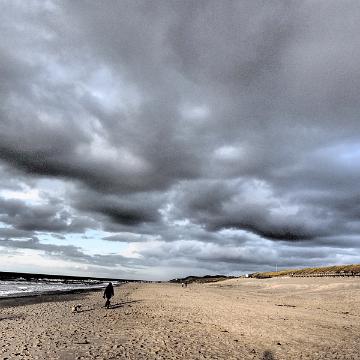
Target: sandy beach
[[285, 318]]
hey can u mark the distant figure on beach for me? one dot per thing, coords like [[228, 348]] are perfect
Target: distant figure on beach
[[108, 294]]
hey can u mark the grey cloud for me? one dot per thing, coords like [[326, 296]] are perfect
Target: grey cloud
[[7, 233], [131, 210], [237, 205], [221, 44], [70, 252], [214, 257], [35, 244], [106, 99], [48, 218], [128, 237]]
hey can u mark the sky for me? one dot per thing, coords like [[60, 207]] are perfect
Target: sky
[[160, 139]]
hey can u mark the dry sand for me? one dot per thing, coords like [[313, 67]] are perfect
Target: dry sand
[[288, 318]]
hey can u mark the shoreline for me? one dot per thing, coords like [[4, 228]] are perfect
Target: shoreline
[[51, 296], [38, 297]]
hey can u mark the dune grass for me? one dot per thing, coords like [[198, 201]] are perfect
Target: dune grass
[[318, 271]]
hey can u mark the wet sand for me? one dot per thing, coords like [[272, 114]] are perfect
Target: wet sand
[[288, 318]]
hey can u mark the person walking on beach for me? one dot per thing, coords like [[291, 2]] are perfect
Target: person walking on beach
[[108, 294]]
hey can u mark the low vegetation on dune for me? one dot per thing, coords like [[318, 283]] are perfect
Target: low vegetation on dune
[[339, 270]]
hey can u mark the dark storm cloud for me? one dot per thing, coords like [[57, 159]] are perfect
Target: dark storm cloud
[[7, 233], [34, 244], [126, 210], [237, 205], [177, 121], [44, 218]]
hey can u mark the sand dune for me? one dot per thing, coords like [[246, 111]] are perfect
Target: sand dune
[[283, 318]]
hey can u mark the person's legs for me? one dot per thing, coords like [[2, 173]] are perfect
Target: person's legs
[[107, 304]]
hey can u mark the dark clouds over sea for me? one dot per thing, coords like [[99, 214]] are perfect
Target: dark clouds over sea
[[204, 136]]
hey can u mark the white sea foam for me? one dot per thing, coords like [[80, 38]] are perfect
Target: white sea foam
[[24, 288]]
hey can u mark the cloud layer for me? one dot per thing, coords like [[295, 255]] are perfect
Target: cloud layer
[[200, 136]]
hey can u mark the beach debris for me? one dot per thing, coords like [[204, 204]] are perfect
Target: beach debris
[[286, 305], [12, 317], [75, 308], [85, 342]]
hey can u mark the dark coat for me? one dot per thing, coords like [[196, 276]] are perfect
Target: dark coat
[[109, 291]]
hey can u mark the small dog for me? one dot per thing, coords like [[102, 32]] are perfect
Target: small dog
[[76, 308]]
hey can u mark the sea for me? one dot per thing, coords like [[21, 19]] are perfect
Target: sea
[[15, 288]]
